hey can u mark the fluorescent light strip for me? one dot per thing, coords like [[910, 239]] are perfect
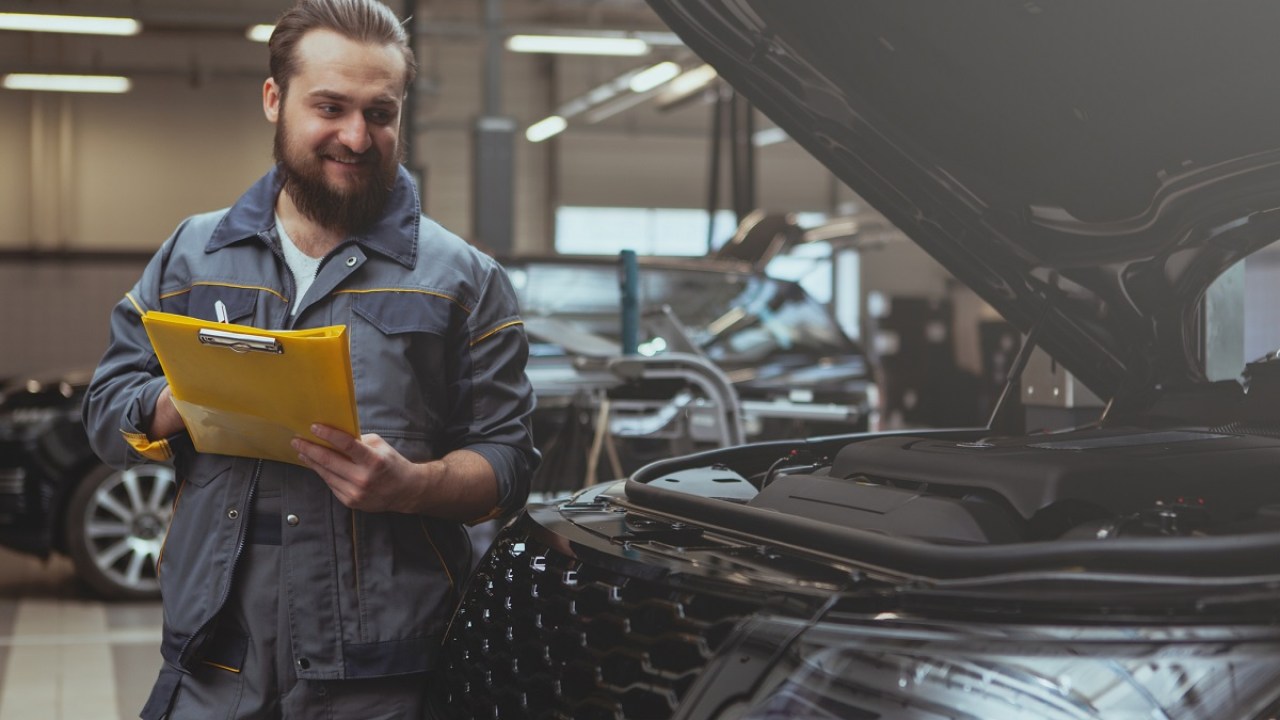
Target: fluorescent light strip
[[693, 80], [615, 106], [597, 95], [259, 33], [652, 77], [545, 128], [83, 24], [67, 83], [577, 45], [769, 136]]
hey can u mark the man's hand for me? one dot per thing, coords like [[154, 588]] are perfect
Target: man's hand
[[165, 421], [367, 474]]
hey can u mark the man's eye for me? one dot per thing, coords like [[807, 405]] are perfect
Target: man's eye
[[381, 117], [329, 109]]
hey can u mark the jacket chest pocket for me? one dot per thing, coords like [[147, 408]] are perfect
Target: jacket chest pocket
[[402, 356], [201, 301]]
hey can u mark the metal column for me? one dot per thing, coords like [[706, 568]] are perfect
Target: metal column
[[732, 121], [493, 164]]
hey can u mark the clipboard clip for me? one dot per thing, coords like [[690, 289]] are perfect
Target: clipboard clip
[[237, 342]]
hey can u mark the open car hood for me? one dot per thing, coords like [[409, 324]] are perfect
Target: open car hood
[[1092, 167]]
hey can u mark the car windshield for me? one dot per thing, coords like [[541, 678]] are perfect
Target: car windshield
[[733, 317]]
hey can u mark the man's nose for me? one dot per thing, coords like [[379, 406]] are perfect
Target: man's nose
[[354, 134]]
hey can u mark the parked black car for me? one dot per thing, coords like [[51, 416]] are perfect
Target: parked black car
[[55, 495], [1089, 169]]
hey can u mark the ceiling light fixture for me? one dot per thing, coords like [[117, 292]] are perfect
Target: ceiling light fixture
[[689, 86], [623, 92], [652, 77], [67, 83], [769, 136], [83, 24], [259, 33], [620, 104], [545, 128], [577, 45], [691, 81]]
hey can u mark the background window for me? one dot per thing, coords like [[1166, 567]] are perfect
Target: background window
[[647, 231]]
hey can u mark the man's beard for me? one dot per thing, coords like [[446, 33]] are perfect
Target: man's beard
[[353, 210]]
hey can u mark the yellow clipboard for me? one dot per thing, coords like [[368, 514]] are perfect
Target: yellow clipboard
[[246, 391]]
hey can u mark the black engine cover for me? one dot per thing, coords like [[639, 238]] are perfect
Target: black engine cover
[[1006, 489]]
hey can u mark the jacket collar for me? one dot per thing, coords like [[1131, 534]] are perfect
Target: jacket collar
[[395, 234]]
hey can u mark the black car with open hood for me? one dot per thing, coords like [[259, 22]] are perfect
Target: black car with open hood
[[1089, 169]]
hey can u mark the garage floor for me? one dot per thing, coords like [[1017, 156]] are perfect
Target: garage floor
[[65, 656]]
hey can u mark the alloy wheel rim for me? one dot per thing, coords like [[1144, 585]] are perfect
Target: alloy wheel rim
[[125, 524]]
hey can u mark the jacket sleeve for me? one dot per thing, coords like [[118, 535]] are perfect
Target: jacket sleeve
[[122, 395], [493, 397]]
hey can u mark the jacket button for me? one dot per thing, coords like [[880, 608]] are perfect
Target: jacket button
[[351, 261], [292, 519], [233, 513], [304, 663]]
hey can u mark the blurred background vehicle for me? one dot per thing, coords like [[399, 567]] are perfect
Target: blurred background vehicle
[[56, 496], [791, 370]]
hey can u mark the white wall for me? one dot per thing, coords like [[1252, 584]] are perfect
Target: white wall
[[58, 312], [144, 163], [15, 170]]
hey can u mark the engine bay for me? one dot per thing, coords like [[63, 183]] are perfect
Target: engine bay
[[1088, 484], [1198, 461]]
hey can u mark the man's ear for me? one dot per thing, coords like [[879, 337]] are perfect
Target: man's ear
[[272, 96]]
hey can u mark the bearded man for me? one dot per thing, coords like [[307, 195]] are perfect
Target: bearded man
[[322, 589]]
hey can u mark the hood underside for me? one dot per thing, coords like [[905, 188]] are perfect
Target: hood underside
[[1091, 167]]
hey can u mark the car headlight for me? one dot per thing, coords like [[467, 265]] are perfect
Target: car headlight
[[876, 669]]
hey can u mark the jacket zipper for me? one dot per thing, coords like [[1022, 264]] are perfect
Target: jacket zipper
[[286, 277], [235, 560], [173, 511]]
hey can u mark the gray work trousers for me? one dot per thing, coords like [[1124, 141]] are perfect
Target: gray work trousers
[[265, 686]]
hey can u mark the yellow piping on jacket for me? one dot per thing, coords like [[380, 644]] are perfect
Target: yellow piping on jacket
[[440, 557], [176, 293], [173, 511], [495, 331], [432, 293]]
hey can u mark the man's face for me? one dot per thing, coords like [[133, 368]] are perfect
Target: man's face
[[337, 137]]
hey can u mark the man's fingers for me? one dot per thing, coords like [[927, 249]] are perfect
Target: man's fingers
[[351, 466], [344, 443], [330, 466], [331, 435], [319, 456]]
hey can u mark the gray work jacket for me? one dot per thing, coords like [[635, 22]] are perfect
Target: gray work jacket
[[438, 356]]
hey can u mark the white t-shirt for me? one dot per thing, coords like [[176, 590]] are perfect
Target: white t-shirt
[[302, 265]]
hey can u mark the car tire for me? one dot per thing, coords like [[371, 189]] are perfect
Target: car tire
[[115, 525]]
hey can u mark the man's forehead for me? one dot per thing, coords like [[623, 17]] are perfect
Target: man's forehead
[[323, 55]]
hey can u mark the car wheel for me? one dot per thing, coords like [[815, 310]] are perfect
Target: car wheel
[[116, 522]]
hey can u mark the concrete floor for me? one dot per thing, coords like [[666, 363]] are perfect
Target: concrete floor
[[65, 655]]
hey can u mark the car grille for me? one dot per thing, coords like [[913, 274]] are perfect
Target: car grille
[[542, 635]]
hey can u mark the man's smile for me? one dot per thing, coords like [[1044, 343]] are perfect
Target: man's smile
[[349, 160]]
